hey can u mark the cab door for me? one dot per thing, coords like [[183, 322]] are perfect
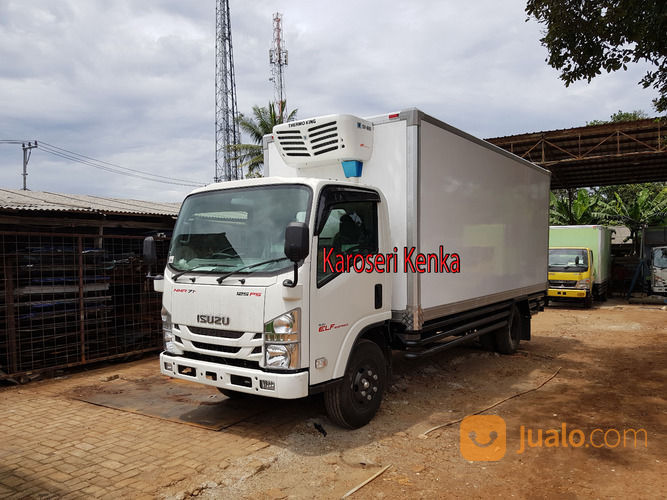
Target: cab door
[[342, 300]]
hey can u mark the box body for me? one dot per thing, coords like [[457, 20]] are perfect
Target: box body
[[445, 188]]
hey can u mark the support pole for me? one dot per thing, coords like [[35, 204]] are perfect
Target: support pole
[[26, 158]]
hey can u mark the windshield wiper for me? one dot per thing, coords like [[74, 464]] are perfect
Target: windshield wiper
[[249, 266], [178, 275]]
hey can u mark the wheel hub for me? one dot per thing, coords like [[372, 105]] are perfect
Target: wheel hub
[[365, 385]]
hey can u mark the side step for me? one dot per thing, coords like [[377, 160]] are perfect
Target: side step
[[456, 330], [432, 348]]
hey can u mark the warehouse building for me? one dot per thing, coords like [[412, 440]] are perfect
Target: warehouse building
[[73, 284]]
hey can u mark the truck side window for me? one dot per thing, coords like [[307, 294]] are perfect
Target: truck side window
[[350, 228]]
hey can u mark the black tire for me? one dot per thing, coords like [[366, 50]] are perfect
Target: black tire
[[509, 337], [588, 301], [353, 402], [233, 394], [605, 295]]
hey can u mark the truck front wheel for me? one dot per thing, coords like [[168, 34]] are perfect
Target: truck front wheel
[[354, 402], [588, 301]]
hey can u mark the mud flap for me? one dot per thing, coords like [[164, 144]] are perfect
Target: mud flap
[[525, 327], [524, 309]]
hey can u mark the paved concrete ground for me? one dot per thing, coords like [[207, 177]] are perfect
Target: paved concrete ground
[[611, 374], [51, 444]]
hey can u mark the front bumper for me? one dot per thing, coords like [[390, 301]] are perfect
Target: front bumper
[[570, 293], [250, 381]]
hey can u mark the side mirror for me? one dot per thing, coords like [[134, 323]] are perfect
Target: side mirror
[[150, 259], [297, 241], [150, 252]]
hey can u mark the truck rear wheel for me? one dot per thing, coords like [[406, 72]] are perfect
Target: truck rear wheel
[[508, 337], [354, 402]]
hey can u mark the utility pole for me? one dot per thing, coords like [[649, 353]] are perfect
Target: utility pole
[[226, 125], [278, 60], [26, 157]]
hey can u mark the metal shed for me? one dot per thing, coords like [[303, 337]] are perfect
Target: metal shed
[[72, 284]]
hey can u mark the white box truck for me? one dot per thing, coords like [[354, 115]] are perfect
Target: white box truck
[[655, 252], [394, 232]]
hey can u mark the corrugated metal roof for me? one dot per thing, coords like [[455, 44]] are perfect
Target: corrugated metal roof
[[598, 155], [14, 199]]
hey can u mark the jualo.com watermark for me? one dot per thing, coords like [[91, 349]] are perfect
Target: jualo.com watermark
[[484, 438]]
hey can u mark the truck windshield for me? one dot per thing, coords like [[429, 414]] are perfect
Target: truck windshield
[[660, 257], [219, 231], [568, 259]]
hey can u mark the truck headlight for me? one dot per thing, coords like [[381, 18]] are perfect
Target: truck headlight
[[281, 356], [583, 284], [166, 321], [282, 339]]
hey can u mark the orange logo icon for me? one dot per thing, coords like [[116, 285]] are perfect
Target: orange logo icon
[[483, 438]]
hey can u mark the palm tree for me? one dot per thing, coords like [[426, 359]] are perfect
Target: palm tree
[[644, 210], [264, 118], [579, 209]]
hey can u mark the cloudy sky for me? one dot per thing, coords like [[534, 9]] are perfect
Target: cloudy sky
[[132, 83]]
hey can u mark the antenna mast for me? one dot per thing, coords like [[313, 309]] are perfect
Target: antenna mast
[[226, 126], [278, 60]]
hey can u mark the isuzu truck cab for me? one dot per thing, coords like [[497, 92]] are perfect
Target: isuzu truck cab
[[368, 235]]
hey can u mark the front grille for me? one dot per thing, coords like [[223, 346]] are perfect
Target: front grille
[[562, 283], [211, 332], [241, 363], [216, 347]]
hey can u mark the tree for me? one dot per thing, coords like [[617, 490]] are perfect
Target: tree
[[251, 156], [628, 192], [567, 208], [642, 211], [584, 37], [621, 116]]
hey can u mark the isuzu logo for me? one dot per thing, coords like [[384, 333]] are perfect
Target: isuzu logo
[[212, 320]]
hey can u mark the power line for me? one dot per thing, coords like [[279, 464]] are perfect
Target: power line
[[114, 165], [143, 176], [100, 164]]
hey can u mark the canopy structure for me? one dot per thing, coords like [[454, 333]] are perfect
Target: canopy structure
[[598, 155]]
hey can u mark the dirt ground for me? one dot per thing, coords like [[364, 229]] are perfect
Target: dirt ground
[[610, 366]]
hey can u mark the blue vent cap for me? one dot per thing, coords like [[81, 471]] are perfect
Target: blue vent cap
[[352, 168]]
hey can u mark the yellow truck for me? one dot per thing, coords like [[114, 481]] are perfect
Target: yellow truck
[[579, 263]]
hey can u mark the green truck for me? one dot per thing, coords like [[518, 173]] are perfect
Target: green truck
[[579, 263]]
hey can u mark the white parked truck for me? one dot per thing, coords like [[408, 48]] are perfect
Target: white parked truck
[[394, 232], [655, 251]]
